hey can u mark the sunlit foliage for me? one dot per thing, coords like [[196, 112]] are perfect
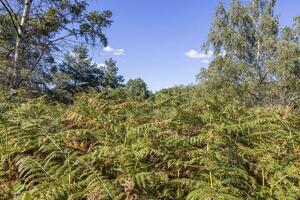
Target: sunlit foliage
[[172, 146]]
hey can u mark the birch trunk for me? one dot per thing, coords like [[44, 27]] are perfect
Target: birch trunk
[[20, 44]]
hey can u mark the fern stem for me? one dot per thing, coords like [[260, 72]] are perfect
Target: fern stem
[[125, 137], [69, 175], [42, 168], [263, 177], [106, 138], [6, 139], [8, 158], [210, 179], [178, 185], [100, 179], [283, 177], [9, 171]]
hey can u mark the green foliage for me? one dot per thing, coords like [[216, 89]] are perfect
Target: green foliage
[[172, 146], [30, 45], [110, 75], [77, 73], [138, 89], [255, 61]]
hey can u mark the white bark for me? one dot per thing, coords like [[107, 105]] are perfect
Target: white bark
[[20, 43]]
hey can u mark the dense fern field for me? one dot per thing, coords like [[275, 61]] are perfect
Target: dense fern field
[[173, 145]]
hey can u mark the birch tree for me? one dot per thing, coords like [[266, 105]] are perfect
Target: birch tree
[[19, 44], [42, 30], [245, 38]]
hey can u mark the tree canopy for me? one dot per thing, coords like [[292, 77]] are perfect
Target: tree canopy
[[138, 88], [255, 59], [31, 41]]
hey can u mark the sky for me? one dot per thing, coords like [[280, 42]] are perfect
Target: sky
[[160, 40]]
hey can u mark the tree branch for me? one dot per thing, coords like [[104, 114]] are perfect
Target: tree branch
[[11, 15]]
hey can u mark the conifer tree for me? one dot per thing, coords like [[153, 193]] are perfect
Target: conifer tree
[[77, 72], [35, 31], [110, 77]]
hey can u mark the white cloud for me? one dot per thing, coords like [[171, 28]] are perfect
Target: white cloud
[[205, 57], [108, 49], [199, 55], [116, 52], [119, 52]]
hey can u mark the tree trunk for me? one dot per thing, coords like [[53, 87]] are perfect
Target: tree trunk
[[20, 44]]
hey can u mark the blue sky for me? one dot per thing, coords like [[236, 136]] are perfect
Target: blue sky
[[160, 40]]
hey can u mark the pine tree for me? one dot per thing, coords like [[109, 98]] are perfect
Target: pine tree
[[37, 30], [111, 78], [77, 72]]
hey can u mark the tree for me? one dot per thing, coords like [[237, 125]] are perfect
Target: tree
[[110, 75], [248, 34], [286, 65], [137, 88], [77, 72], [44, 27]]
